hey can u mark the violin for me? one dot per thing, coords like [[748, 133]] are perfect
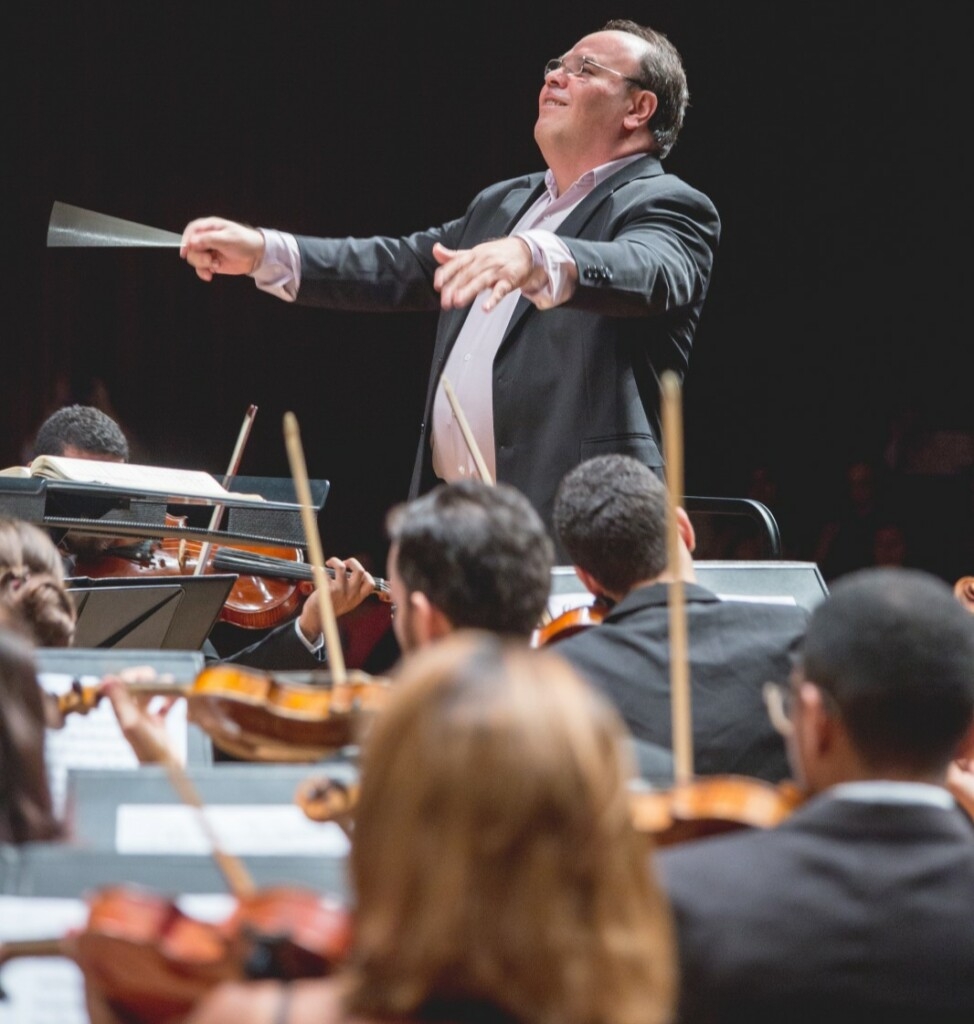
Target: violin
[[710, 805], [271, 581], [152, 962], [704, 807], [256, 716], [571, 621]]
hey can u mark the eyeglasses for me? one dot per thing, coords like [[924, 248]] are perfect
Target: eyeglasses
[[779, 701], [583, 66]]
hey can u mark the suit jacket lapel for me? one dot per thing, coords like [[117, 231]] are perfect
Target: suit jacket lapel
[[573, 225]]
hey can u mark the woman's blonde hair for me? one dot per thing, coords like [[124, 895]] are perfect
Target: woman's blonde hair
[[496, 869], [32, 583]]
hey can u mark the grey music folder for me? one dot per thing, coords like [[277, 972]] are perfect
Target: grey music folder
[[170, 613]]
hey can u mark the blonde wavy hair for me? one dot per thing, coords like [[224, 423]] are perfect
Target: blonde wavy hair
[[496, 870], [32, 583]]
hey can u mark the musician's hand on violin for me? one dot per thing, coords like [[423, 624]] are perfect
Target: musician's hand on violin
[[348, 588], [141, 717], [216, 246]]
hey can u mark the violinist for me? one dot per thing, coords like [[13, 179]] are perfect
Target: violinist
[[85, 432], [496, 873], [859, 905], [610, 514], [467, 555]]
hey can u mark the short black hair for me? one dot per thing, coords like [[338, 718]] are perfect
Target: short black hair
[[480, 553], [894, 650], [83, 427], [610, 516]]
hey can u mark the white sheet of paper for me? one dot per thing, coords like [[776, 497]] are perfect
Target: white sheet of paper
[[242, 829], [41, 990], [95, 740]]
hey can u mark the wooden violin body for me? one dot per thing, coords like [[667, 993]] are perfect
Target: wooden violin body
[[260, 717], [710, 805], [570, 622], [152, 962], [257, 600]]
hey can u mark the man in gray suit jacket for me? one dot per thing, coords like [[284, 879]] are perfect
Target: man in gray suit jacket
[[861, 905], [563, 295]]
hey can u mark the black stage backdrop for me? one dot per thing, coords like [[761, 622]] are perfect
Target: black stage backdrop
[[828, 134]]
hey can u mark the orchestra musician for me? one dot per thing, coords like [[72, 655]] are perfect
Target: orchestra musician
[[85, 432], [858, 906], [467, 555], [611, 517], [497, 876]]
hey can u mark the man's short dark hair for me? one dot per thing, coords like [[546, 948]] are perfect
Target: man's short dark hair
[[894, 650], [480, 554], [661, 71], [610, 515], [83, 427]]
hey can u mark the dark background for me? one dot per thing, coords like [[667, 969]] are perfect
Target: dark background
[[829, 135]]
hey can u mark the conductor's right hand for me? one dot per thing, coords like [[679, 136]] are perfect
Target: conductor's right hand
[[216, 246]]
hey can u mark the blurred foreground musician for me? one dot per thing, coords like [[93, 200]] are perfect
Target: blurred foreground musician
[[496, 872], [860, 906]]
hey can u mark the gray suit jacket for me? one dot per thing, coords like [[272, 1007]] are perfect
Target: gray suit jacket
[[571, 382], [849, 911]]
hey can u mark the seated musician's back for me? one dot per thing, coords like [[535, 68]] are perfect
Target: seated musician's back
[[859, 906], [611, 518]]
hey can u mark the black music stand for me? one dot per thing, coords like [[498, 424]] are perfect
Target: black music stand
[[176, 613]]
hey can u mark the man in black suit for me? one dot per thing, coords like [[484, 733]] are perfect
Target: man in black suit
[[563, 295], [610, 515], [859, 906]]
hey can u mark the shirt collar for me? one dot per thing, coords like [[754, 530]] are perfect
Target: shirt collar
[[885, 791], [591, 178]]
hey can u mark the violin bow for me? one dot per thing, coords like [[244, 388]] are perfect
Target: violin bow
[[679, 661], [466, 431], [235, 459], [299, 471]]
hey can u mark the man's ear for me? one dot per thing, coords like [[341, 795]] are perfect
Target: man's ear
[[685, 529], [965, 749], [642, 106], [428, 622], [590, 583]]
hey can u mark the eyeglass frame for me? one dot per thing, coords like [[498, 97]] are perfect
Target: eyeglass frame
[[779, 701], [559, 64]]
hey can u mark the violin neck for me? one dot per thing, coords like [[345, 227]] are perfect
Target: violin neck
[[254, 564], [30, 947]]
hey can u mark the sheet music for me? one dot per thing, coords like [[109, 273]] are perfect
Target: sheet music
[[41, 990], [95, 740], [127, 475], [242, 829], [50, 990]]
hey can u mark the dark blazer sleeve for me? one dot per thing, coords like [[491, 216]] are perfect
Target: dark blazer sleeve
[[280, 651]]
